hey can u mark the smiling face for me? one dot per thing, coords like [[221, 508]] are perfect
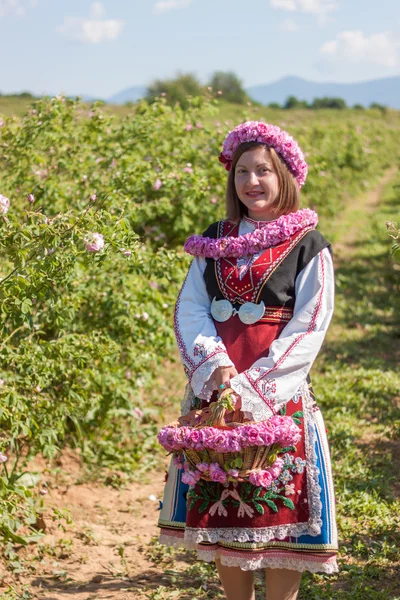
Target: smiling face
[[257, 183]]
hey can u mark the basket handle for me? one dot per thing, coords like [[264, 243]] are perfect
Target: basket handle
[[219, 409]]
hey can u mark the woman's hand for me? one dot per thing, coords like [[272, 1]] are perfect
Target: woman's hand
[[223, 375]]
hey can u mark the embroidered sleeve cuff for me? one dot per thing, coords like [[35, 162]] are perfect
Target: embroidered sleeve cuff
[[202, 379], [255, 405]]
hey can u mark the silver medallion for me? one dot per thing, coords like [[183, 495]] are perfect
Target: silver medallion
[[221, 310], [248, 313]]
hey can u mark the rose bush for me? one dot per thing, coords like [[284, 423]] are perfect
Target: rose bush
[[94, 210]]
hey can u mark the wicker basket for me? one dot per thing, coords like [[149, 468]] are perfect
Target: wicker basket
[[213, 420]]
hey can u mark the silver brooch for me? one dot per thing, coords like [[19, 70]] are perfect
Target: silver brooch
[[248, 313]]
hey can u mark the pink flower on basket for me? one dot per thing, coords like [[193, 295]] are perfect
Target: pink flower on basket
[[233, 442], [191, 477], [217, 474], [267, 435], [251, 436], [217, 441], [276, 468], [233, 473], [202, 467], [196, 439], [94, 242], [178, 461]]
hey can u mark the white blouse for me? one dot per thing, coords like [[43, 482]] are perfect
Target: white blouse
[[274, 379]]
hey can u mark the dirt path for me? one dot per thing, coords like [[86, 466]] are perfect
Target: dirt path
[[355, 214], [104, 552]]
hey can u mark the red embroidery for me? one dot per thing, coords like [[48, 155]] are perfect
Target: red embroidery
[[243, 283], [179, 338]]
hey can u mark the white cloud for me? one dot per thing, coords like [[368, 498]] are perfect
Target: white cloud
[[289, 25], [381, 49], [16, 8], [163, 6], [320, 8], [92, 30]]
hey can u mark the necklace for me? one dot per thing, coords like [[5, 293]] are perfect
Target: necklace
[[268, 235]]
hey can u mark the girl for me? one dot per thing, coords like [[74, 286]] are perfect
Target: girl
[[249, 320]]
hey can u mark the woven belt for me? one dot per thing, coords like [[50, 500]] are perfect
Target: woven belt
[[250, 312]]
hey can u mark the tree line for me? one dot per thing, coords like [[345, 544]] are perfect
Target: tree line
[[228, 86]]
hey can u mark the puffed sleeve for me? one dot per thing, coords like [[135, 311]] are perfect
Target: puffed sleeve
[[273, 380], [201, 350]]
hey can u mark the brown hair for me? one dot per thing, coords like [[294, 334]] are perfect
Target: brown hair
[[288, 199]]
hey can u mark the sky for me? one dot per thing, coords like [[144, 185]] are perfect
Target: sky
[[81, 47]]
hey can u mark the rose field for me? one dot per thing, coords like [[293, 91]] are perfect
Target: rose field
[[95, 206]]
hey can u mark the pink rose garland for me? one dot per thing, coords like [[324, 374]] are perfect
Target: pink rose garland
[[269, 235], [278, 430]]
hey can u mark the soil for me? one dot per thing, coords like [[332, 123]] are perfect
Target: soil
[[359, 209], [102, 553]]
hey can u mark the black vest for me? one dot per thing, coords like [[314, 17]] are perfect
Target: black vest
[[280, 287]]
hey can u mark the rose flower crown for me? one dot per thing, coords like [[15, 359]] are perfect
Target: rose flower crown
[[274, 137]]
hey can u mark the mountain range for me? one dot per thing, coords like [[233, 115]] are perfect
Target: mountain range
[[384, 91]]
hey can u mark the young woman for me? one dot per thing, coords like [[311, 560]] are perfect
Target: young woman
[[250, 319]]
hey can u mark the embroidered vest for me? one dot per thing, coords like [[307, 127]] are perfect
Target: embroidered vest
[[268, 276]]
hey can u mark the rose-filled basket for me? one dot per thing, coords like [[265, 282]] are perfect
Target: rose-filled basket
[[207, 447]]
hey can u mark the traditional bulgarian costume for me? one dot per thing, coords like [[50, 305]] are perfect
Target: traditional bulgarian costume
[[258, 296]]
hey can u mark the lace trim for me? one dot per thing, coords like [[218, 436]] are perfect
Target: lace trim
[[203, 380], [264, 534], [247, 563], [269, 562], [253, 406]]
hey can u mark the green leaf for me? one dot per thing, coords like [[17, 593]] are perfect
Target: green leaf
[[287, 449], [272, 505], [288, 502], [299, 414], [259, 508], [203, 506]]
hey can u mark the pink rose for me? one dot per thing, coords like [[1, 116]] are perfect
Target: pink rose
[[195, 439], [157, 184], [276, 469], [94, 242], [202, 467], [4, 205], [251, 436], [191, 477], [216, 441], [217, 474], [178, 461]]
